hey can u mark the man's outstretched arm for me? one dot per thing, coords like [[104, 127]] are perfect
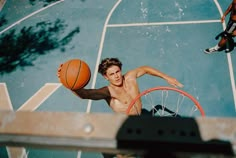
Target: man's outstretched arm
[[94, 94], [154, 72]]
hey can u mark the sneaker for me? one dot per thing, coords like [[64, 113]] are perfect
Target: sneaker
[[210, 50]]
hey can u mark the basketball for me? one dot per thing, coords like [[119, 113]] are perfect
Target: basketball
[[74, 74]]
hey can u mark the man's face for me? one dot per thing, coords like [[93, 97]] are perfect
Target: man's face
[[114, 75]]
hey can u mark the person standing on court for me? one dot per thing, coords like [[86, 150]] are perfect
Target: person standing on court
[[229, 32], [122, 89]]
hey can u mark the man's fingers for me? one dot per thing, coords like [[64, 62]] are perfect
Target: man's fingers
[[59, 70], [180, 85]]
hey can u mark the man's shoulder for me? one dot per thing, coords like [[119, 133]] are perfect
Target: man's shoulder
[[129, 76], [131, 73]]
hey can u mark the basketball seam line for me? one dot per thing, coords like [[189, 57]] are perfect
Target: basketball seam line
[[78, 73], [66, 74]]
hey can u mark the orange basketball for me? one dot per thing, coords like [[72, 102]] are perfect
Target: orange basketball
[[74, 74]]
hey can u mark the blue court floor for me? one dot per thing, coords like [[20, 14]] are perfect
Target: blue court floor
[[37, 36]]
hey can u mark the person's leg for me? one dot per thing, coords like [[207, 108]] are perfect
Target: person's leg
[[222, 42], [231, 26], [234, 33], [212, 49], [227, 41], [227, 34]]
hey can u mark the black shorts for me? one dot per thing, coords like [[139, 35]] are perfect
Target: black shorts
[[231, 27]]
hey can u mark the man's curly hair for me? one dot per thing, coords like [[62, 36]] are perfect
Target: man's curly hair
[[108, 62]]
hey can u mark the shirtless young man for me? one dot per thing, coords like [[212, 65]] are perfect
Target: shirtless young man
[[230, 30], [122, 89]]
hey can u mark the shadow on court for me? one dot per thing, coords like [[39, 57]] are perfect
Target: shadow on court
[[19, 50]]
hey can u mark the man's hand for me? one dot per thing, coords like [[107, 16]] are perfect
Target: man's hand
[[223, 18], [59, 70], [172, 81]]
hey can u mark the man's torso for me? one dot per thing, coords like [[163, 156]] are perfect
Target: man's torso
[[121, 97]]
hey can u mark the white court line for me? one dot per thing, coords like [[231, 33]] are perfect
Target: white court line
[[99, 57], [39, 97], [231, 71], [11, 26], [6, 104], [164, 23], [28, 16], [14, 152], [5, 98], [100, 51]]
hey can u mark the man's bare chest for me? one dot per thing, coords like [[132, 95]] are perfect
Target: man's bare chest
[[122, 96]]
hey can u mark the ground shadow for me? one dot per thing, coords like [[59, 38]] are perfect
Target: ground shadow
[[3, 20], [46, 2], [20, 49]]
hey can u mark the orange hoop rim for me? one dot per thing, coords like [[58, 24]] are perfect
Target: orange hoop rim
[[166, 88]]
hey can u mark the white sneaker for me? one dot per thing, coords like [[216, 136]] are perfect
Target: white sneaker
[[210, 50]]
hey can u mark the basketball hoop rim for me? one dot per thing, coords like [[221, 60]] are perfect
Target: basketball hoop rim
[[166, 88]]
